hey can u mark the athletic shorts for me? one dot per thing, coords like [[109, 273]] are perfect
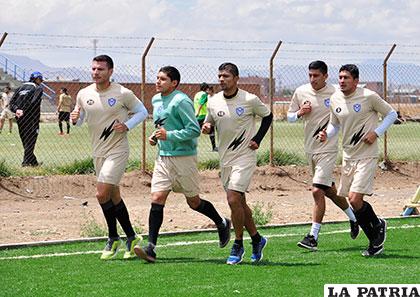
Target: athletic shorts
[[357, 176], [64, 116], [238, 177], [178, 174], [7, 114], [109, 170], [322, 167]]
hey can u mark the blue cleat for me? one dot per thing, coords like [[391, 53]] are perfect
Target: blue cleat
[[236, 254], [257, 250]]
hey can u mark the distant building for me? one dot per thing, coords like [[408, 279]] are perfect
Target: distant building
[[263, 82], [406, 94]]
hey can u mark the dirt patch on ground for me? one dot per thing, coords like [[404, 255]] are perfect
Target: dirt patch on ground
[[57, 207]]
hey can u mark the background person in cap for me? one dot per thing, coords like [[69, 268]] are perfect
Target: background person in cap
[[26, 104]]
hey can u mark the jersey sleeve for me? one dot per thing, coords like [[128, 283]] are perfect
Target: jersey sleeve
[[259, 107], [191, 128], [209, 115], [203, 99], [294, 103], [380, 105]]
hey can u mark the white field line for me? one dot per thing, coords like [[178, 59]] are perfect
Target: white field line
[[184, 243]]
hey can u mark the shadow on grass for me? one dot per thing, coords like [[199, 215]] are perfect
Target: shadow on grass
[[185, 260]]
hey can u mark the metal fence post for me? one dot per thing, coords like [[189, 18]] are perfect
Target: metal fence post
[[3, 38], [270, 98], [142, 94], [385, 98]]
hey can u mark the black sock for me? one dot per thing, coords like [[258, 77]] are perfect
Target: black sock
[[256, 238], [206, 208], [373, 218], [364, 218], [111, 220], [239, 242], [68, 128], [60, 125], [155, 221], [122, 216]]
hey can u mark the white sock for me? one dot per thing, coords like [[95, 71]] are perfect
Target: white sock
[[315, 230], [349, 212]]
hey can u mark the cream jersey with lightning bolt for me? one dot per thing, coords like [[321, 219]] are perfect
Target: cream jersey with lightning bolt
[[357, 114], [317, 119], [102, 110], [234, 120]]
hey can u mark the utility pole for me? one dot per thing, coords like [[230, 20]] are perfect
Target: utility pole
[[95, 42]]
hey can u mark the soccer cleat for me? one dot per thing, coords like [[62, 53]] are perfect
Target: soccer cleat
[[224, 233], [380, 234], [236, 254], [308, 242], [129, 253], [354, 229], [111, 248], [146, 253], [372, 251], [257, 250]]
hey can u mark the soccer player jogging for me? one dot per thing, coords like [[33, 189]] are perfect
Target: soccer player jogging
[[233, 113], [176, 164], [105, 106], [355, 110], [311, 102]]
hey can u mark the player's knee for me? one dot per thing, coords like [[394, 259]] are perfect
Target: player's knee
[[194, 203], [101, 197]]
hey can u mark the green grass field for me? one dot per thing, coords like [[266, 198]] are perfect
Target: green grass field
[[54, 150], [193, 265]]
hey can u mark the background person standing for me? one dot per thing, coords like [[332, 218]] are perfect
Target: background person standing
[[26, 104], [63, 109]]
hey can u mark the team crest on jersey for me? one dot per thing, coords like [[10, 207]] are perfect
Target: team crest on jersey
[[160, 109], [327, 102], [338, 109], [220, 113], [112, 101], [90, 102], [240, 110], [357, 107]]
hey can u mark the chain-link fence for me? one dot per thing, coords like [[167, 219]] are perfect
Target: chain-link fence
[[197, 61]]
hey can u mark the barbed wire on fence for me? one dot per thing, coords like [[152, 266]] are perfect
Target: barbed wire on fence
[[197, 60]]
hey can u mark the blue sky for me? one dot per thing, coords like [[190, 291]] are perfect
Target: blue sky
[[309, 29]]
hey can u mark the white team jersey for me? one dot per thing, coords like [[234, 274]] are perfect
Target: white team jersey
[[317, 119], [102, 110], [235, 120], [357, 114]]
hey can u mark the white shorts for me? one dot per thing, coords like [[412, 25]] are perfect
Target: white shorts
[[357, 176], [322, 167], [238, 177], [7, 114], [178, 173], [110, 170]]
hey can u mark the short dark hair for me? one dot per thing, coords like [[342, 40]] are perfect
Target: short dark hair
[[172, 73], [204, 86], [229, 67], [64, 90], [352, 69], [319, 65], [105, 58]]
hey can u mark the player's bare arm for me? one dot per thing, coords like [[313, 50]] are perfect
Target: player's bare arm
[[75, 114], [206, 128], [120, 127], [161, 133]]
